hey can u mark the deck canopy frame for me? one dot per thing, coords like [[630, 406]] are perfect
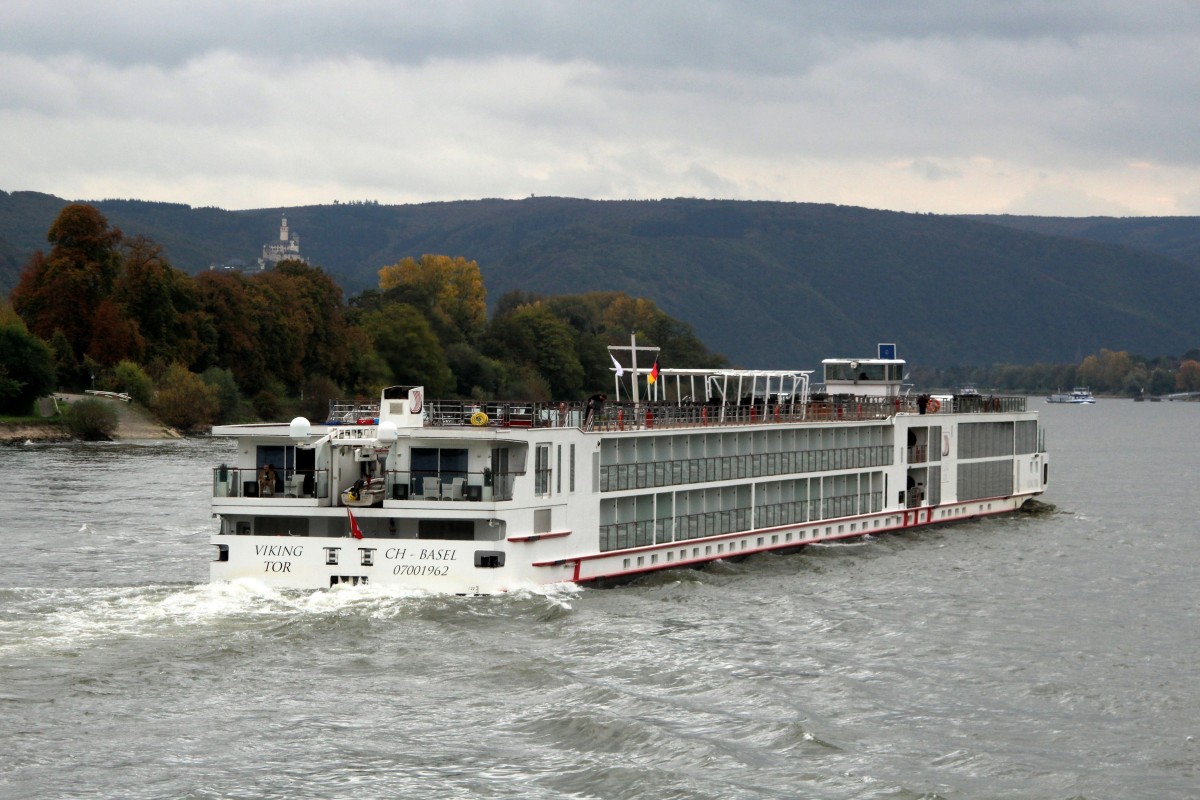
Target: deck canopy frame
[[787, 390]]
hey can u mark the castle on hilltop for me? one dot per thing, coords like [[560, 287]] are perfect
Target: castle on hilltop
[[287, 248]]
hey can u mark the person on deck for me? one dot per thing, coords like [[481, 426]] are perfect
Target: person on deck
[[595, 405], [266, 481]]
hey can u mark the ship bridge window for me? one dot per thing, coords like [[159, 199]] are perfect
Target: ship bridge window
[[854, 371]]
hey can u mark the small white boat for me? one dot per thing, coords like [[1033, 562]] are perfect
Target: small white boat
[[1078, 396], [364, 493]]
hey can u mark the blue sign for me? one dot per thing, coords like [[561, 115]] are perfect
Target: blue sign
[[887, 351]]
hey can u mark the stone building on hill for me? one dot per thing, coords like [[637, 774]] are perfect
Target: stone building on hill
[[287, 248]]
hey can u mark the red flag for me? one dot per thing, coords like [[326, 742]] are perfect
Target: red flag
[[354, 529], [653, 377]]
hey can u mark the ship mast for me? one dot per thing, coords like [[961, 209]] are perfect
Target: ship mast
[[633, 351]]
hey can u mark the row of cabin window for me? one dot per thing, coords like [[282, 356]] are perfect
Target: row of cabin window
[[618, 477], [622, 535]]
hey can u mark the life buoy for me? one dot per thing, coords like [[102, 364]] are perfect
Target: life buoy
[[934, 406], [478, 419]]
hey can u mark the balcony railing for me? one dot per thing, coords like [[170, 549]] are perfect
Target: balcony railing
[[238, 482], [448, 486], [400, 485]]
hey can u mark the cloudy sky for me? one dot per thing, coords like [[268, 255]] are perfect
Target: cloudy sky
[[1057, 108]]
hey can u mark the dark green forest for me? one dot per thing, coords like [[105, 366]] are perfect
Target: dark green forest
[[778, 285]]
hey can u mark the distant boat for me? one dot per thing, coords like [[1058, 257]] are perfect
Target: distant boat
[[968, 390], [1078, 396]]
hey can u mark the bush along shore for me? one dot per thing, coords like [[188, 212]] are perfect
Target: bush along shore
[[78, 417]]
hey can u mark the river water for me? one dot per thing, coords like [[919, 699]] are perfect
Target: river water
[[1049, 656]]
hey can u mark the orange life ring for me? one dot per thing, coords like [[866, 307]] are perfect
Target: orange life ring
[[934, 405]]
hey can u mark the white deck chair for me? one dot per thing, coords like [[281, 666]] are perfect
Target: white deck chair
[[431, 488]]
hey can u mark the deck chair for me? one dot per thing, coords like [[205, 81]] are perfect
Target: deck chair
[[431, 488], [456, 489]]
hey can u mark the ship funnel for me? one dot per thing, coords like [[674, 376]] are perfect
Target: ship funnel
[[402, 406]]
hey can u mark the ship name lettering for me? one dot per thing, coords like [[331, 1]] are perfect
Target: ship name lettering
[[277, 550], [278, 566], [437, 555], [395, 553]]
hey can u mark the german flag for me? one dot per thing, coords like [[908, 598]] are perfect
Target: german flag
[[652, 378]]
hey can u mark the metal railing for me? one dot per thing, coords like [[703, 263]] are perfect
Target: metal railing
[[617, 416], [450, 486], [238, 482]]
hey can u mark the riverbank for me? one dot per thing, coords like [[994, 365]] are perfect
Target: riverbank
[[133, 423]]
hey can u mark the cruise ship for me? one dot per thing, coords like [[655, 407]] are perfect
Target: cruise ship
[[677, 468]]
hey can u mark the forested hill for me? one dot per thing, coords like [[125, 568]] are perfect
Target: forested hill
[[1176, 237], [768, 284]]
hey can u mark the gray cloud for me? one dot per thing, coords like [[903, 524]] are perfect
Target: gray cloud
[[933, 106]]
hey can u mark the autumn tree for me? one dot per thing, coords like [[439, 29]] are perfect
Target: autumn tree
[[62, 290], [114, 336], [163, 303], [184, 400], [231, 313], [449, 290], [1187, 379], [534, 335], [313, 307], [407, 344]]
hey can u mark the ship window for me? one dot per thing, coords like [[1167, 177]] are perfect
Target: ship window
[[541, 470], [489, 559], [462, 530], [281, 526], [445, 463]]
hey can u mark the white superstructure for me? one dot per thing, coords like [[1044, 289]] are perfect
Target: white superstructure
[[705, 464]]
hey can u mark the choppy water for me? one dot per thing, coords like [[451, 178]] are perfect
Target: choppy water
[[1029, 657]]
